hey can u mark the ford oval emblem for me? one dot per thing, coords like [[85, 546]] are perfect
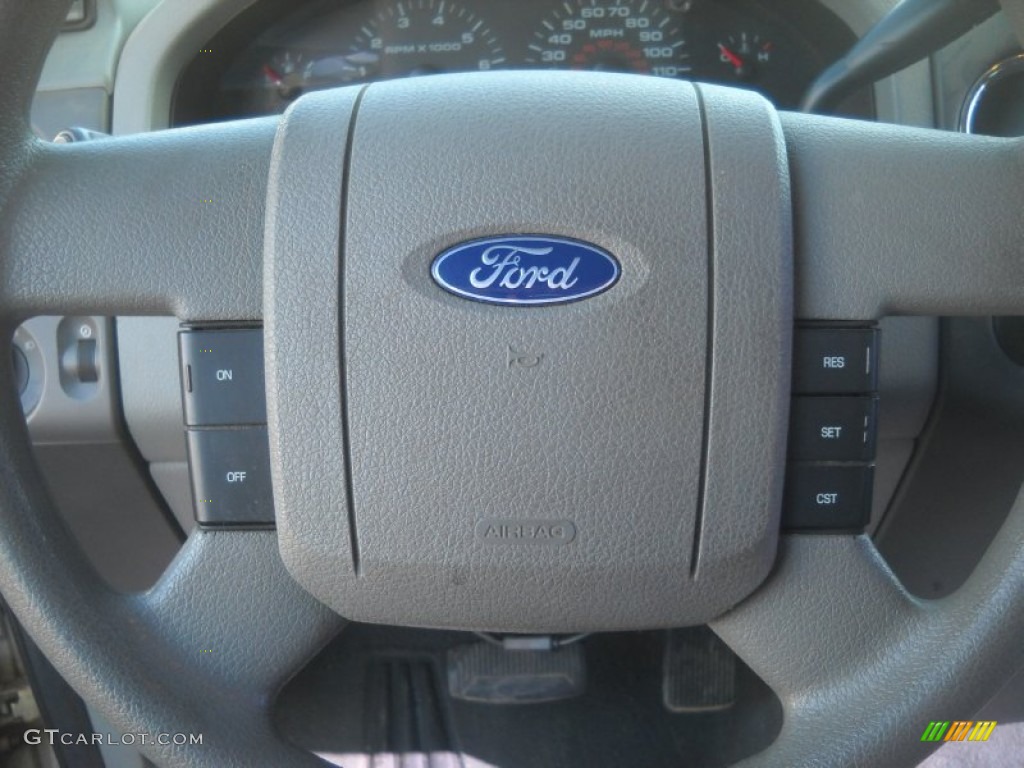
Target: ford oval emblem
[[527, 270]]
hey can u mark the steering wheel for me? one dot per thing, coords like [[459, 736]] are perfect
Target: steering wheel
[[796, 216]]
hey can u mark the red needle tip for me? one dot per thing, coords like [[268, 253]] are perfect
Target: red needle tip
[[735, 60], [270, 73]]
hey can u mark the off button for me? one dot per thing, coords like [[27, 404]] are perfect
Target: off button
[[231, 476]]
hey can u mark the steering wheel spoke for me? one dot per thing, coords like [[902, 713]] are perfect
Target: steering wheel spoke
[[242, 626], [203, 652], [834, 633], [163, 223], [887, 220], [894, 220]]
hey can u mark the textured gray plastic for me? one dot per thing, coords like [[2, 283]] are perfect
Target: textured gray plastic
[[147, 359], [851, 654], [903, 221], [606, 436], [195, 251], [752, 322], [604, 432]]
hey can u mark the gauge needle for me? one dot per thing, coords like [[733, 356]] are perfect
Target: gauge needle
[[735, 60], [272, 75]]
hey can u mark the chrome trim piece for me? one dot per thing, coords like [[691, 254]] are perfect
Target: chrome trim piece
[[1009, 67]]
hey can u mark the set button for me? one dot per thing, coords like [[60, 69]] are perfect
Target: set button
[[833, 428]]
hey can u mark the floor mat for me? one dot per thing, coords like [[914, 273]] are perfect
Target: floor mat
[[376, 697]]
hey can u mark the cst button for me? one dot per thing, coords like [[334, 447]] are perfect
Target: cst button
[[827, 498]]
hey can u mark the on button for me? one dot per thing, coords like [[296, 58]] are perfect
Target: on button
[[222, 377]]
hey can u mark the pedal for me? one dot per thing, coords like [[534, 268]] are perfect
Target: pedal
[[490, 674], [699, 673]]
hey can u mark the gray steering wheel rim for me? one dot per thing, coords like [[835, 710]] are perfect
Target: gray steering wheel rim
[[105, 643]]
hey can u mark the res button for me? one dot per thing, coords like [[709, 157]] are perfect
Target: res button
[[835, 361]]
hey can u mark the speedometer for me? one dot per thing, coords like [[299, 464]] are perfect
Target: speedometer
[[613, 35], [418, 37]]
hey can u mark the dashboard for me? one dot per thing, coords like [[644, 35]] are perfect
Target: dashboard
[[272, 53]]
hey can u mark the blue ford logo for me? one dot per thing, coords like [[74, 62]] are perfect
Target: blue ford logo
[[529, 270]]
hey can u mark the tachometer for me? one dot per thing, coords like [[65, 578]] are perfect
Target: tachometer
[[614, 35], [417, 37]]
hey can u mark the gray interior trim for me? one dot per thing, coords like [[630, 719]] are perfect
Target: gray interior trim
[[150, 386], [151, 396], [862, 252], [115, 755], [174, 483], [195, 252], [833, 625], [908, 376], [313, 235], [88, 58], [54, 111], [751, 330], [156, 52], [111, 511], [970, 458]]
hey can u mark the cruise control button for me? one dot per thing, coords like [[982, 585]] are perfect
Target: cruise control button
[[830, 361], [832, 428], [231, 476], [827, 498], [222, 377]]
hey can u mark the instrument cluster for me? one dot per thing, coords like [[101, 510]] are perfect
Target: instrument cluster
[[276, 51]]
